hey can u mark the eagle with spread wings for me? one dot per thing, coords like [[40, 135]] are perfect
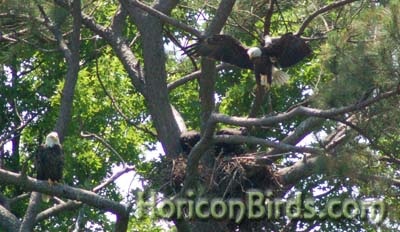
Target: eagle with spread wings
[[266, 60]]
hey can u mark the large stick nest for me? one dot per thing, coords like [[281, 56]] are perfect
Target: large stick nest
[[231, 173]]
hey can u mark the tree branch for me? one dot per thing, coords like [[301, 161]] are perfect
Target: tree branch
[[87, 197], [194, 75], [18, 198], [52, 211], [390, 159], [155, 75], [179, 120], [312, 164], [29, 219], [283, 147], [195, 155], [120, 47], [72, 56], [306, 127], [71, 205], [220, 18], [257, 102], [5, 137], [8, 221], [368, 178], [301, 111], [207, 90], [105, 143], [268, 17], [207, 94], [62, 43], [321, 11], [117, 108], [163, 17]]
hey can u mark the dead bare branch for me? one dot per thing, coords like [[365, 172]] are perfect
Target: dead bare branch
[[163, 17], [192, 76], [238, 139], [301, 111], [321, 11]]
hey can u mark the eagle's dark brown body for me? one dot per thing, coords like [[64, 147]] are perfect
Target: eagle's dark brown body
[[50, 163]]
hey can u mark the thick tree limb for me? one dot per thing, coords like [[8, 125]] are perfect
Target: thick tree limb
[[208, 71], [8, 221], [206, 92], [52, 211], [207, 88], [221, 16], [304, 168], [72, 56], [239, 139], [321, 11], [289, 176], [87, 197], [305, 128], [312, 164], [195, 155], [155, 75], [179, 120], [301, 111], [120, 47], [71, 205], [154, 89], [4, 201], [29, 219], [268, 17]]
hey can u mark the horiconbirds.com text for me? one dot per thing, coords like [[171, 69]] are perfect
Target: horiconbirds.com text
[[258, 205]]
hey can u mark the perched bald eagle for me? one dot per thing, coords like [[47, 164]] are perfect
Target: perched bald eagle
[[49, 161], [282, 52]]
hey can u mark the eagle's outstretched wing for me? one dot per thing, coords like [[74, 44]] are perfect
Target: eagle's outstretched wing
[[223, 48], [288, 50]]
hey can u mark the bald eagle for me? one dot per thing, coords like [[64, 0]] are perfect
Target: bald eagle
[[282, 52], [49, 161]]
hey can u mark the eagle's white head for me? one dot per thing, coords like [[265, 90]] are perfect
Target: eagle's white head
[[52, 139], [254, 52]]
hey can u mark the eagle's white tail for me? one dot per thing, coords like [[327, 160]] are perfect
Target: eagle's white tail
[[45, 198], [279, 77]]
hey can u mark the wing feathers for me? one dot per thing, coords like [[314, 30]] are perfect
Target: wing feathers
[[223, 48], [288, 49]]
